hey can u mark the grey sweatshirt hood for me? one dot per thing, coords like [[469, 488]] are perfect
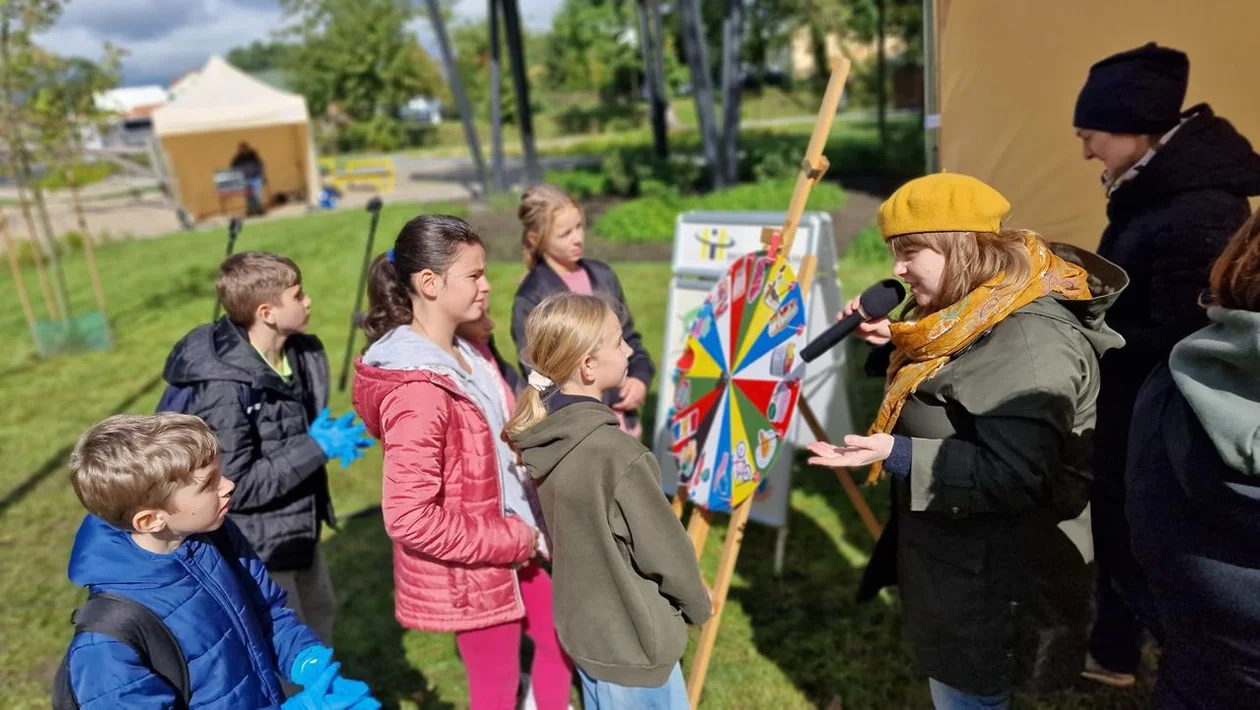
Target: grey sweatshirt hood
[[1217, 370]]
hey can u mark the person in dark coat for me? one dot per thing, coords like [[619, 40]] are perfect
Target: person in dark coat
[[1177, 185], [985, 431], [247, 161], [274, 443], [552, 236], [1193, 495]]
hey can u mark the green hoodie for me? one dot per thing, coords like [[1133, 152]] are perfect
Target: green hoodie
[[1217, 370], [624, 574]]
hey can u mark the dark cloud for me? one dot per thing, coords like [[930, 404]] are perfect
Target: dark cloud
[[123, 20]]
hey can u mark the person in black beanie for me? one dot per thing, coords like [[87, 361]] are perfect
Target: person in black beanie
[[1177, 184]]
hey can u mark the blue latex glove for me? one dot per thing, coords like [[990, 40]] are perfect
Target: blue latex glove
[[311, 668], [340, 438], [312, 696]]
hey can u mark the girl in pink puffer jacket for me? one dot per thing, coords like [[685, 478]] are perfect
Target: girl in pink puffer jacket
[[463, 518]]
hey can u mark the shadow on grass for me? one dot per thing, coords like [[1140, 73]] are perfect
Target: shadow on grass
[[369, 640], [809, 623], [56, 461]]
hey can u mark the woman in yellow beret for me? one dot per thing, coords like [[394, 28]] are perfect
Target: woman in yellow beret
[[985, 433]]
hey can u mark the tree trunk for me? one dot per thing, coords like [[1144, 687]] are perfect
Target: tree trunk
[[881, 78], [652, 44], [457, 91], [17, 166], [696, 48], [732, 37], [89, 246], [520, 82], [496, 101], [15, 268]]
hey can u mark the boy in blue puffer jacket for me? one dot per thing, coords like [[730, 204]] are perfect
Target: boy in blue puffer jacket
[[154, 493]]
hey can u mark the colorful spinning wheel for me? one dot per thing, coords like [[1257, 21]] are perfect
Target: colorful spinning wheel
[[737, 382]]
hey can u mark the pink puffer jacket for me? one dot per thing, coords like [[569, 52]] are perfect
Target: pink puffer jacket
[[454, 549]]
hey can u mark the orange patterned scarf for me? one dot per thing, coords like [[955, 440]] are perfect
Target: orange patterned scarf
[[925, 345]]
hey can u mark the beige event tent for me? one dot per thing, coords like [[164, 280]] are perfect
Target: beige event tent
[[1007, 77], [199, 132]]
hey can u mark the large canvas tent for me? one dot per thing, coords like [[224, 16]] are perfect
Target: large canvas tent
[[1008, 74], [199, 132]]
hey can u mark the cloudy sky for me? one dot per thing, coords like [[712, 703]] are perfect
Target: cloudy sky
[[166, 38]]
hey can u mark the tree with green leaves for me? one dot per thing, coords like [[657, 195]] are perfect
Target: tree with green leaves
[[258, 56], [359, 55]]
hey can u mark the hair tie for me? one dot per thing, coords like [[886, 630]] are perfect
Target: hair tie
[[389, 255], [540, 382]]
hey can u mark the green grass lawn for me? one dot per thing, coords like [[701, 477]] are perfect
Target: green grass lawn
[[795, 642]]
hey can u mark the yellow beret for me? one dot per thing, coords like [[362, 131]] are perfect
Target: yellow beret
[[944, 202]]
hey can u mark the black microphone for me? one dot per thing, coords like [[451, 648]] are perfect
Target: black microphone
[[875, 302]]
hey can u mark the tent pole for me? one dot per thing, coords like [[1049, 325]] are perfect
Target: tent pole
[[457, 89], [931, 98]]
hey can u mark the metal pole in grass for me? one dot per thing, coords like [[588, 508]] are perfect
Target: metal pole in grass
[[374, 207], [234, 230]]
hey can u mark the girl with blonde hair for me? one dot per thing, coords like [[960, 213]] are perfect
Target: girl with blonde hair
[[552, 242], [625, 575]]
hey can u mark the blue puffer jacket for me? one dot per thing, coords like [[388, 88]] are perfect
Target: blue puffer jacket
[[236, 635]]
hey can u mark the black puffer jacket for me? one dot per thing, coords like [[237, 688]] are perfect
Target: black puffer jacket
[[281, 493], [1166, 227]]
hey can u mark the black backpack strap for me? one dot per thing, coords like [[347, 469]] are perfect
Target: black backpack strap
[[134, 624]]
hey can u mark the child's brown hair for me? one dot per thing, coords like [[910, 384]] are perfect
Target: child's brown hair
[[128, 463], [251, 278], [1235, 280], [539, 206]]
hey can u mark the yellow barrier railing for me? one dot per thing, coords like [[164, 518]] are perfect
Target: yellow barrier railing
[[376, 174]]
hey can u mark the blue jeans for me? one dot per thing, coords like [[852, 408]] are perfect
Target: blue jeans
[[602, 695], [945, 697]]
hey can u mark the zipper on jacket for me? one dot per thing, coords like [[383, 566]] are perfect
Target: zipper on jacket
[[457, 390], [221, 597]]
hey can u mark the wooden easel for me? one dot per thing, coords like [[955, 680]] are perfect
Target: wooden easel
[[813, 167]]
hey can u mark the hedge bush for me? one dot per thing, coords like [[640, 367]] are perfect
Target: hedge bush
[[651, 219], [632, 169]]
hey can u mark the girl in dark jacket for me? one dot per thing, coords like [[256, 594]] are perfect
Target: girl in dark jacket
[[553, 231], [1193, 495], [985, 430]]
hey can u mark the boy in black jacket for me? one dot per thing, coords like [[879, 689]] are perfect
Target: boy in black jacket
[[275, 440]]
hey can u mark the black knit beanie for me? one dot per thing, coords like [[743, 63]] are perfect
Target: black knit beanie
[[1139, 91]]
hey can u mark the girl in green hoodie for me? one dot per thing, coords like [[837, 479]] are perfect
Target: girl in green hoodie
[[625, 580]]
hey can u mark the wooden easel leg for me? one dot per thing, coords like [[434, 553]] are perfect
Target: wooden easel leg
[[698, 529], [846, 482], [726, 570]]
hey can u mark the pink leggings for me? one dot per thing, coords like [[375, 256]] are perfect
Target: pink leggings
[[492, 657]]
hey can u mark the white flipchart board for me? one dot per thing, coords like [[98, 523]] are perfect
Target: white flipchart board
[[705, 245]]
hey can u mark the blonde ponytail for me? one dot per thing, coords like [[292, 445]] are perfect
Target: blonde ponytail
[[559, 333]]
